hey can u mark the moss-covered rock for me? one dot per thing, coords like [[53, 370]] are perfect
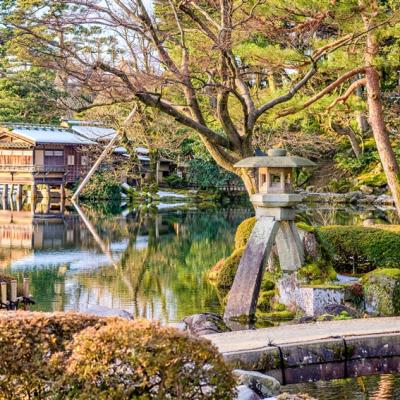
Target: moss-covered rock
[[212, 273], [382, 291], [283, 315], [317, 273], [243, 232], [227, 271], [360, 249]]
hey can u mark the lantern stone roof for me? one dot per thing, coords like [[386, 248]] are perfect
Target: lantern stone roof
[[276, 158]]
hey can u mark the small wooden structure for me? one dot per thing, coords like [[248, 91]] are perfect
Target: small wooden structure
[[13, 301], [275, 215], [33, 155]]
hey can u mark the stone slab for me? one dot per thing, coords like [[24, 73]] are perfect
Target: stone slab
[[319, 351], [260, 338]]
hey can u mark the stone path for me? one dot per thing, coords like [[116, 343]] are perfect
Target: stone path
[[240, 341]]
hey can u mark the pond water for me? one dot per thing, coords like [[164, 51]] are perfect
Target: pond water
[[150, 263], [383, 387]]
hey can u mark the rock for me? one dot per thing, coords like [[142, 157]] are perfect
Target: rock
[[263, 385], [314, 299], [382, 291], [290, 396], [205, 324], [102, 311], [310, 243], [306, 319], [245, 393], [366, 189], [337, 309], [384, 199], [368, 199]]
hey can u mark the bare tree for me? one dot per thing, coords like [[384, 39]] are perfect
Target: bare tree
[[183, 60]]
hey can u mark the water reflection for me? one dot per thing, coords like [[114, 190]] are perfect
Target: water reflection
[[383, 387], [148, 262]]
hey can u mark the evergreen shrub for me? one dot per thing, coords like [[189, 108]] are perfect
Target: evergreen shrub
[[78, 356], [28, 342], [141, 360], [360, 248]]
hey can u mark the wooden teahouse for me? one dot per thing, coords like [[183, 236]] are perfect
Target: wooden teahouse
[[32, 155]]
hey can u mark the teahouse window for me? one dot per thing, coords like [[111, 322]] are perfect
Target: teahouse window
[[53, 153], [71, 159]]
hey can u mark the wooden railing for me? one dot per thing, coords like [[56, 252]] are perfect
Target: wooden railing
[[32, 168]]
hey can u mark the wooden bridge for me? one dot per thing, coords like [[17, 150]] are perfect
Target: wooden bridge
[[317, 351]]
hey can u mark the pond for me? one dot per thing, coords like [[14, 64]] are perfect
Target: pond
[[150, 263]]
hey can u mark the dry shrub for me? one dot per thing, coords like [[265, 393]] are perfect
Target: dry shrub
[[28, 341], [141, 360]]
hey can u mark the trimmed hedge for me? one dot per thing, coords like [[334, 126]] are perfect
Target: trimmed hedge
[[28, 342], [78, 356], [141, 360], [360, 248]]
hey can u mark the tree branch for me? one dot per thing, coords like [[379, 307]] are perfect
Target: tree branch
[[284, 98], [349, 91], [322, 93]]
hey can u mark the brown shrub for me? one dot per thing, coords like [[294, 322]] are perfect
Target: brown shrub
[[141, 360], [27, 342]]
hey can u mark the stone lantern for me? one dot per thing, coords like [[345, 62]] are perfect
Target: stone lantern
[[274, 203]]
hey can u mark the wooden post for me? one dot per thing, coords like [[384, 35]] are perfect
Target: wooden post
[[62, 191], [13, 291], [4, 194], [4, 292], [26, 287], [26, 293], [19, 192]]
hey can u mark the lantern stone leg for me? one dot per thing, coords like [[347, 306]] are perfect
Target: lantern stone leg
[[289, 246], [242, 299]]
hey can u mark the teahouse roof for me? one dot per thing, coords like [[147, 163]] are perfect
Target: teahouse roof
[[94, 132], [276, 158], [42, 134]]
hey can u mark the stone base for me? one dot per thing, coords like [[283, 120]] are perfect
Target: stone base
[[315, 299], [311, 299]]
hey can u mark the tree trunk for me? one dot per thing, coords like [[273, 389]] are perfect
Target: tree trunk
[[376, 120], [375, 109], [340, 130]]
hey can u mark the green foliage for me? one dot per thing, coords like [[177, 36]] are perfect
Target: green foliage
[[28, 341], [243, 232], [206, 174], [29, 96], [141, 360], [175, 181], [227, 272], [102, 185], [317, 273], [360, 248]]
